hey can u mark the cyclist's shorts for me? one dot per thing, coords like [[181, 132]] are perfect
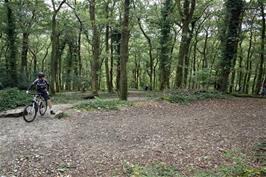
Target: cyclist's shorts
[[44, 95]]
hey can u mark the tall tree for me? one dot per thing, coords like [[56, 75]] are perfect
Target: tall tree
[[262, 48], [165, 41], [186, 14], [95, 49], [230, 40], [11, 45], [27, 13], [55, 48], [150, 53], [107, 47], [124, 52]]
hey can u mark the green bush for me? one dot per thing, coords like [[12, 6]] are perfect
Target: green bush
[[238, 165], [12, 98], [101, 104], [185, 97], [241, 166]]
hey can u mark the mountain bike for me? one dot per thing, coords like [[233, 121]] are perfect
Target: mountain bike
[[38, 104]]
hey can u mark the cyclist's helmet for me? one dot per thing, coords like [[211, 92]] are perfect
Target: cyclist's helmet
[[41, 75]]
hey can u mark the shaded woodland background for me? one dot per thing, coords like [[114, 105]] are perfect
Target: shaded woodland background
[[114, 45]]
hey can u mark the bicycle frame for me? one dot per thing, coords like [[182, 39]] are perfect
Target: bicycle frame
[[36, 102]]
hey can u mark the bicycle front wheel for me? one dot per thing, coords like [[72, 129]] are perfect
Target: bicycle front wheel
[[30, 112]]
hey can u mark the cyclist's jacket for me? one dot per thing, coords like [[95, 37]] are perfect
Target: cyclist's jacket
[[41, 85]]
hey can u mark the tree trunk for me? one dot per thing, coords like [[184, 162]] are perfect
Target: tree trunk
[[53, 64], [233, 76], [109, 87], [69, 67], [254, 91], [111, 64], [34, 59], [54, 83], [95, 49], [183, 56], [124, 52], [116, 38], [11, 45], [194, 61], [262, 48], [205, 59], [24, 54], [165, 61], [240, 74], [79, 58], [230, 40], [150, 53], [249, 61]]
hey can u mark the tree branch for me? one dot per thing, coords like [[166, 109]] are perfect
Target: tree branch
[[59, 7]]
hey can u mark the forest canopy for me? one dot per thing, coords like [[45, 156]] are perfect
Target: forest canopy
[[114, 45]]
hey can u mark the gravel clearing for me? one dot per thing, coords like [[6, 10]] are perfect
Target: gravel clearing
[[98, 143]]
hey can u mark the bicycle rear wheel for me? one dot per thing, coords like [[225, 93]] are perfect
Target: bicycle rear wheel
[[43, 107], [30, 113]]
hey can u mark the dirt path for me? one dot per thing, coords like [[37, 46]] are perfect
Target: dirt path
[[97, 143]]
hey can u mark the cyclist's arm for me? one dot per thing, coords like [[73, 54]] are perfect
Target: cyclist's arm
[[32, 85], [48, 85]]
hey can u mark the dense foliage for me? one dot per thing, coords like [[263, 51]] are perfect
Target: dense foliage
[[12, 98], [115, 45]]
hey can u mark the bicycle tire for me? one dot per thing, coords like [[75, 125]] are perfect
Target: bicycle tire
[[42, 113], [25, 113]]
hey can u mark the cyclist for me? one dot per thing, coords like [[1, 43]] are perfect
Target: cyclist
[[42, 87]]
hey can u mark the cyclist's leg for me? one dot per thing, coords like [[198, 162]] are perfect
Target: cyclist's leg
[[47, 98]]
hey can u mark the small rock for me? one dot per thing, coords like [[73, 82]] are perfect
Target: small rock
[[59, 114]]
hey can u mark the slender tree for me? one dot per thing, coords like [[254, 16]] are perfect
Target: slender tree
[[55, 48], [95, 49], [260, 79], [124, 52], [107, 47], [150, 52]]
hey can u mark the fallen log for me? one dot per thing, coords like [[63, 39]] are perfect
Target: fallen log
[[89, 97], [12, 113], [248, 96]]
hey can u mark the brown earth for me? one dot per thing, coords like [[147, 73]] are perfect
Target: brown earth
[[98, 143]]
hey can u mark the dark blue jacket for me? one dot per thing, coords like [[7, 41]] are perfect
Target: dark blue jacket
[[41, 85]]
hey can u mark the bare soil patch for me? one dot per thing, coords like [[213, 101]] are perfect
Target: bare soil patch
[[98, 143]]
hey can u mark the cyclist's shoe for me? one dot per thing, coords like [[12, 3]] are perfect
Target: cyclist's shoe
[[52, 112]]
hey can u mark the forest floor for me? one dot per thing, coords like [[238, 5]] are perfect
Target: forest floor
[[98, 143]]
